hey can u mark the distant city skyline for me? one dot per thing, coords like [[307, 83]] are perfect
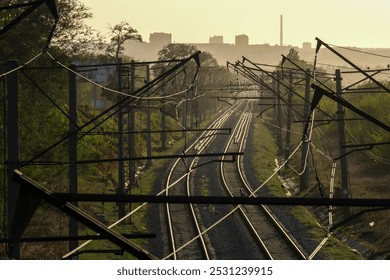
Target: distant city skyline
[[262, 53], [357, 23]]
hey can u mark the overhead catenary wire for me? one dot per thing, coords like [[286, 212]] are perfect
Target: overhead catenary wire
[[123, 102], [370, 154], [112, 90], [164, 97], [33, 5], [360, 51], [179, 94], [130, 106], [238, 206], [162, 192], [286, 86], [191, 85], [22, 65], [320, 42], [48, 97], [165, 81], [311, 127], [308, 150]]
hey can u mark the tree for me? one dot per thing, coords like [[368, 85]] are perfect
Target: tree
[[293, 54], [72, 35], [176, 51], [27, 36], [208, 60], [209, 65], [41, 123], [120, 33]]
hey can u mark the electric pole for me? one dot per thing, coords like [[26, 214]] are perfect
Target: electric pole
[[279, 113], [131, 143], [148, 123], [184, 105], [163, 135], [341, 130], [289, 118], [304, 178], [73, 188], [121, 142]]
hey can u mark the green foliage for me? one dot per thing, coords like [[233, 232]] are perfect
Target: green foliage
[[72, 36], [176, 51], [26, 38], [361, 131], [377, 105], [264, 147], [293, 55], [43, 112], [120, 33]]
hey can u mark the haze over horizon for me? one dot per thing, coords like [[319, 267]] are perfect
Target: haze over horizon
[[351, 23]]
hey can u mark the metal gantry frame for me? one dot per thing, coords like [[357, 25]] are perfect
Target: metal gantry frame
[[23, 201], [126, 141], [25, 194], [32, 193], [318, 93], [30, 7]]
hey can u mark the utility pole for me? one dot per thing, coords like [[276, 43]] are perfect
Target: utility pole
[[304, 178], [289, 118], [279, 113], [190, 109], [13, 155], [341, 129], [184, 105], [131, 143], [148, 123], [126, 127], [73, 189], [129, 166], [163, 135], [121, 140], [214, 92]]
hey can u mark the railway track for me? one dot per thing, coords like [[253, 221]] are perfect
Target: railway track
[[270, 235], [183, 222], [189, 236]]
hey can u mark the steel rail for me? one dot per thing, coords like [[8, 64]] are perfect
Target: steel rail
[[265, 208], [199, 145], [238, 134]]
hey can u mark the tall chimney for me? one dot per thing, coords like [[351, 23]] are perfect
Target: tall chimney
[[281, 30]]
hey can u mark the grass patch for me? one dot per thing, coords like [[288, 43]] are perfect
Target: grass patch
[[263, 160], [333, 249], [263, 157]]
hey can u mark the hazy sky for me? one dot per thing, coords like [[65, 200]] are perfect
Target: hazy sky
[[360, 23]]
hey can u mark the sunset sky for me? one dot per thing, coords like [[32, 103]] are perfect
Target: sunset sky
[[359, 23]]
